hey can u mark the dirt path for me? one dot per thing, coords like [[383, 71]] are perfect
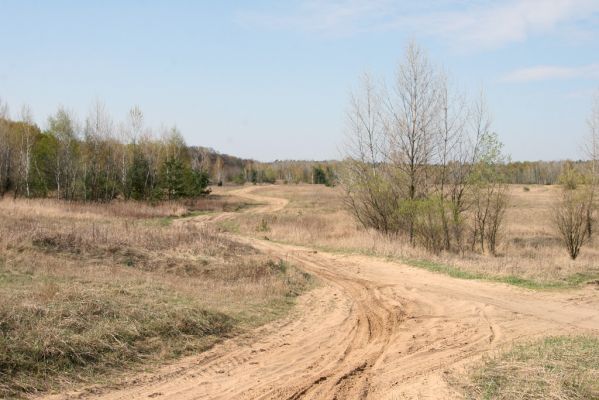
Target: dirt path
[[373, 330]]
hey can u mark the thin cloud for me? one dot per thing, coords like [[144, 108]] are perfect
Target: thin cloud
[[482, 23], [552, 72]]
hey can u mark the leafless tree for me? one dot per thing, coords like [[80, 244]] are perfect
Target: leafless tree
[[5, 148], [592, 152], [26, 142], [100, 164], [411, 123], [368, 193], [64, 128], [452, 156]]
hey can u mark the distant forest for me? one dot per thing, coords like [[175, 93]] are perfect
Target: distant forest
[[103, 160]]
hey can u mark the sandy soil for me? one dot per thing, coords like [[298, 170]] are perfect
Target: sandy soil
[[374, 329]]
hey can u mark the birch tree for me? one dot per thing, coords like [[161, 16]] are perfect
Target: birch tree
[[63, 127], [5, 148], [26, 142], [592, 152]]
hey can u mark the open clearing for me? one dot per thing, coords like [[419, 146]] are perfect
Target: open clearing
[[375, 328]]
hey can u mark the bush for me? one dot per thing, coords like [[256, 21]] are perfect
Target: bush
[[570, 219]]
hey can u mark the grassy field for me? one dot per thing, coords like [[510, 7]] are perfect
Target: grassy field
[[89, 290], [551, 368], [530, 254]]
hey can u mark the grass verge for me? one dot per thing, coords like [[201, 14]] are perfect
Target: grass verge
[[572, 281], [552, 368]]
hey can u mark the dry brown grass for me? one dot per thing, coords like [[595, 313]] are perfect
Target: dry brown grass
[[90, 289], [530, 247], [551, 368]]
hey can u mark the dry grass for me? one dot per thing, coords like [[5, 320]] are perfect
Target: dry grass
[[88, 290], [531, 253], [554, 368]]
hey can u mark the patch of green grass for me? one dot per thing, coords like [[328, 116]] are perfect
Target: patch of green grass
[[559, 367], [166, 221], [228, 226], [571, 281]]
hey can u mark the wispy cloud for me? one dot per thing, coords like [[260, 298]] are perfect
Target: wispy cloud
[[552, 72], [480, 23]]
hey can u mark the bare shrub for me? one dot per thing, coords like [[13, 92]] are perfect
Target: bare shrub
[[570, 221]]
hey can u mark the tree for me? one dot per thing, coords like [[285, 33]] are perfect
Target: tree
[[489, 193], [569, 219], [411, 117], [100, 162], [196, 182], [5, 149], [364, 173], [454, 157], [592, 152], [140, 187], [26, 138], [62, 127], [172, 178], [219, 171], [419, 160]]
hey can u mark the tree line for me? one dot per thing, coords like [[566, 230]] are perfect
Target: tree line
[[98, 160], [102, 159]]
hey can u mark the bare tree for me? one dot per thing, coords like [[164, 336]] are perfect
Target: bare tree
[[5, 148], [26, 142], [368, 194], [592, 152], [411, 124], [452, 157], [63, 127], [100, 164], [129, 132]]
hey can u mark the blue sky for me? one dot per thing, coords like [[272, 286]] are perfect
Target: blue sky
[[270, 79]]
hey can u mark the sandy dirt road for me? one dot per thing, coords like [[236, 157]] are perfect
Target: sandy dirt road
[[374, 329]]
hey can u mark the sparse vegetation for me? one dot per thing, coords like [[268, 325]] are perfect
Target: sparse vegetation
[[550, 368]]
